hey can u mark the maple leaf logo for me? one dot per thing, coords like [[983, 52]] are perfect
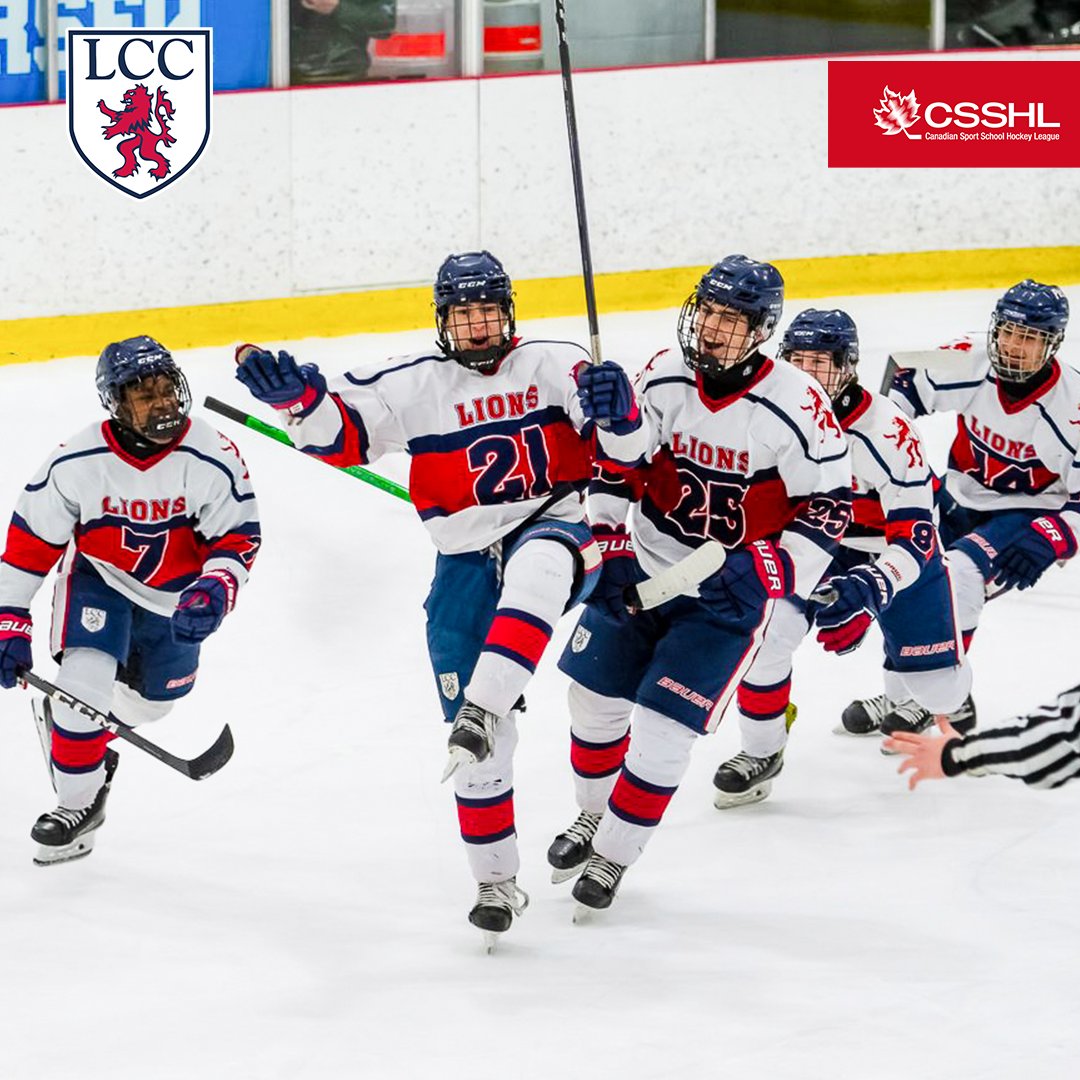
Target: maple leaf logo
[[897, 113]]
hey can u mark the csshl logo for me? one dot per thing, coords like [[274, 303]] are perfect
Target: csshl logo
[[976, 120]]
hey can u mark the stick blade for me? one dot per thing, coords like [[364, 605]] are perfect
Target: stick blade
[[679, 579], [209, 761]]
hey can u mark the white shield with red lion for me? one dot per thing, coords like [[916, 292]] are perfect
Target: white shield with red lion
[[139, 103]]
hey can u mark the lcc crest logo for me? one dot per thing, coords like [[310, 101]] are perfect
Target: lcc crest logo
[[139, 103]]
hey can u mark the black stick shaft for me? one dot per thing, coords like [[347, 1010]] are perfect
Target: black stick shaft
[[206, 764], [579, 184]]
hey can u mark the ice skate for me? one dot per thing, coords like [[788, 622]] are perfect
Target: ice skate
[[496, 905], [745, 779], [571, 849], [906, 716], [963, 720], [471, 738], [911, 717], [596, 887], [64, 835], [864, 717]]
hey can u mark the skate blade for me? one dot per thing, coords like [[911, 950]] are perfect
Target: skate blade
[[491, 941], [583, 913], [52, 856], [559, 876], [724, 800], [457, 758], [841, 730]]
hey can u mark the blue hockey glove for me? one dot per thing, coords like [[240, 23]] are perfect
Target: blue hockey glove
[[16, 629], [847, 604], [620, 570], [1023, 561], [278, 381], [202, 606], [750, 577], [607, 397]]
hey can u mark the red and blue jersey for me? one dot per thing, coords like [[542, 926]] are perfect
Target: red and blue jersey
[[486, 449], [1008, 453], [149, 527], [892, 486], [767, 462]]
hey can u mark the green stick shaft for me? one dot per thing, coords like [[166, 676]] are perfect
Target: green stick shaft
[[272, 432]]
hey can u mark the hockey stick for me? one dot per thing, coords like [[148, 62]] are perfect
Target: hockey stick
[[676, 580], [199, 768], [924, 359], [263, 428], [579, 184]]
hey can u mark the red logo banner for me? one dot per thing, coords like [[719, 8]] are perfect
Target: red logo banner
[[954, 114]]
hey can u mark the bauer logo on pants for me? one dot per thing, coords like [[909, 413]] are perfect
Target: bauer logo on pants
[[139, 103]]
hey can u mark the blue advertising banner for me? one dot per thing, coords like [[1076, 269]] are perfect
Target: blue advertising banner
[[241, 37], [22, 51]]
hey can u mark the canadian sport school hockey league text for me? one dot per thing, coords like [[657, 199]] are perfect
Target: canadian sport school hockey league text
[[969, 136]]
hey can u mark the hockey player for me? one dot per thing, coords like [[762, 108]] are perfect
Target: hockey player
[[1010, 508], [889, 567], [153, 520], [1041, 748], [745, 452], [501, 451]]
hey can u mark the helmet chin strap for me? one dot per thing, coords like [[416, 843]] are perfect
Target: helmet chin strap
[[163, 426], [481, 359], [159, 428]]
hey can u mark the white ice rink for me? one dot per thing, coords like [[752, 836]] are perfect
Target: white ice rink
[[302, 913]]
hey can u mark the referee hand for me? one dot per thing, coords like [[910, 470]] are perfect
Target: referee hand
[[922, 752]]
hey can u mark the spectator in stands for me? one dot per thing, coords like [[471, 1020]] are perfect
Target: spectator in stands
[[329, 38]]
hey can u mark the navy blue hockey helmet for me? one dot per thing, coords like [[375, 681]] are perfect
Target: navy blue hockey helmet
[[470, 278], [1032, 318], [736, 283], [123, 365], [832, 332]]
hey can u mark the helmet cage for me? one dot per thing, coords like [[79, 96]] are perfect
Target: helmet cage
[[124, 365], [691, 323], [474, 277], [482, 360], [1017, 363]]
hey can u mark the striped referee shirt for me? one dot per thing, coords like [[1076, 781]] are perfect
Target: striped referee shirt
[[1042, 748]]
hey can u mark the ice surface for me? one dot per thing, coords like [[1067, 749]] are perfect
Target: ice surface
[[302, 913]]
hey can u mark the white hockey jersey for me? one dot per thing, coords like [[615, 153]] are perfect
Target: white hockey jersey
[[892, 487], [1006, 455], [767, 462], [487, 449], [149, 527]]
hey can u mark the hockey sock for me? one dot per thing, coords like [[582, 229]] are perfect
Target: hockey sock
[[656, 760], [763, 717], [485, 807], [78, 744], [536, 587], [599, 737]]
